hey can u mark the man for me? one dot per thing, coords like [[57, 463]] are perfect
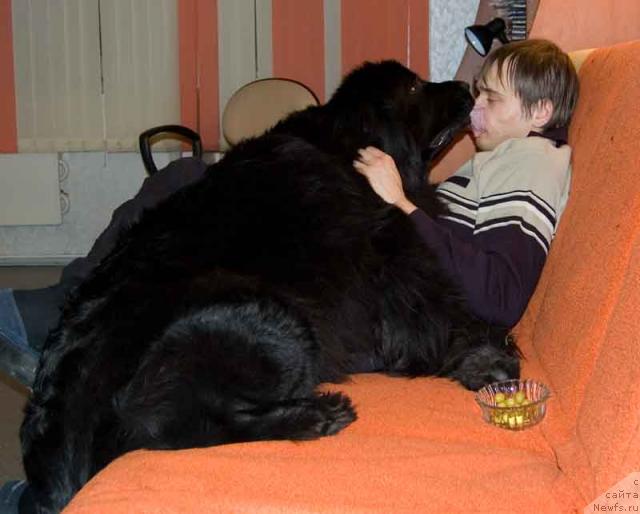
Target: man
[[506, 202]]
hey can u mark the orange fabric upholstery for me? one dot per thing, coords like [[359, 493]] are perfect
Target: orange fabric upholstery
[[417, 443], [421, 445], [609, 401], [574, 322]]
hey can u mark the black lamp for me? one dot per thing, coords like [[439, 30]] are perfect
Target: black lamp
[[480, 37]]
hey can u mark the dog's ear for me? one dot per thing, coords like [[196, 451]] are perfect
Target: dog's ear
[[357, 109]]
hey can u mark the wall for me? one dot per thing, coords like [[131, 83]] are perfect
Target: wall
[[576, 24], [447, 20], [97, 183]]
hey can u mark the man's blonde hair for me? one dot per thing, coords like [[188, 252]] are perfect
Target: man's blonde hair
[[537, 70]]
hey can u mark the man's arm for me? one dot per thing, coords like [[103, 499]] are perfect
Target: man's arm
[[380, 170], [497, 271], [498, 262]]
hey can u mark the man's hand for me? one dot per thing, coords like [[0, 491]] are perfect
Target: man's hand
[[383, 176]]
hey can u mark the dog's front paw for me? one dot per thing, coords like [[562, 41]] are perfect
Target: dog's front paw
[[335, 411]]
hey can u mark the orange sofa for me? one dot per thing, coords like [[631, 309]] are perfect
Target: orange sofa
[[420, 446]]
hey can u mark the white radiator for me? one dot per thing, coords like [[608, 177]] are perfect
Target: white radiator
[[29, 190]]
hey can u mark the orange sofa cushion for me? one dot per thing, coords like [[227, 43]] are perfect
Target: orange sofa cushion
[[418, 446]]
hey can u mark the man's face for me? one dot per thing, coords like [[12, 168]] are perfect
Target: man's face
[[498, 114]]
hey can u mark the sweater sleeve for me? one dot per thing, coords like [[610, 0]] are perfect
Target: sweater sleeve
[[497, 273], [496, 251]]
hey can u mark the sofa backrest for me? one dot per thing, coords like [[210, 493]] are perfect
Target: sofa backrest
[[584, 321]]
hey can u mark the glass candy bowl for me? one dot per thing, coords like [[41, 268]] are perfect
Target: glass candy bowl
[[513, 404]]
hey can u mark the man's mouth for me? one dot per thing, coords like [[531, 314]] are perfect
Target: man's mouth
[[476, 131]]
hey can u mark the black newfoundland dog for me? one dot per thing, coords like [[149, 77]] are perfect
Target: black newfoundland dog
[[216, 316]]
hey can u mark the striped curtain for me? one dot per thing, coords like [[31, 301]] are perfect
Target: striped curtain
[[93, 74], [57, 75], [312, 41]]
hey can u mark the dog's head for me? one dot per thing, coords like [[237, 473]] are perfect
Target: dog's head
[[387, 105], [477, 361]]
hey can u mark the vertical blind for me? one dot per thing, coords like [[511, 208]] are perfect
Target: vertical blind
[[93, 74]]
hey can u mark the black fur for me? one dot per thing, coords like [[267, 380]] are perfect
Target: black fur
[[216, 317]]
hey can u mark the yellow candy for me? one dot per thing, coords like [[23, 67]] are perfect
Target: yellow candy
[[516, 416]]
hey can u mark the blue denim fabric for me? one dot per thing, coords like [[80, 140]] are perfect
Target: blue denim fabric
[[11, 326], [10, 494]]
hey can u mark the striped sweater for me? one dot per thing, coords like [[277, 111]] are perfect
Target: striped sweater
[[504, 209]]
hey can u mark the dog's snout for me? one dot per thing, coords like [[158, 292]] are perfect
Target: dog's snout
[[499, 375], [463, 93], [464, 85]]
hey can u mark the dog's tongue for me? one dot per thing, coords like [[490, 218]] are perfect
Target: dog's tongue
[[477, 121]]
